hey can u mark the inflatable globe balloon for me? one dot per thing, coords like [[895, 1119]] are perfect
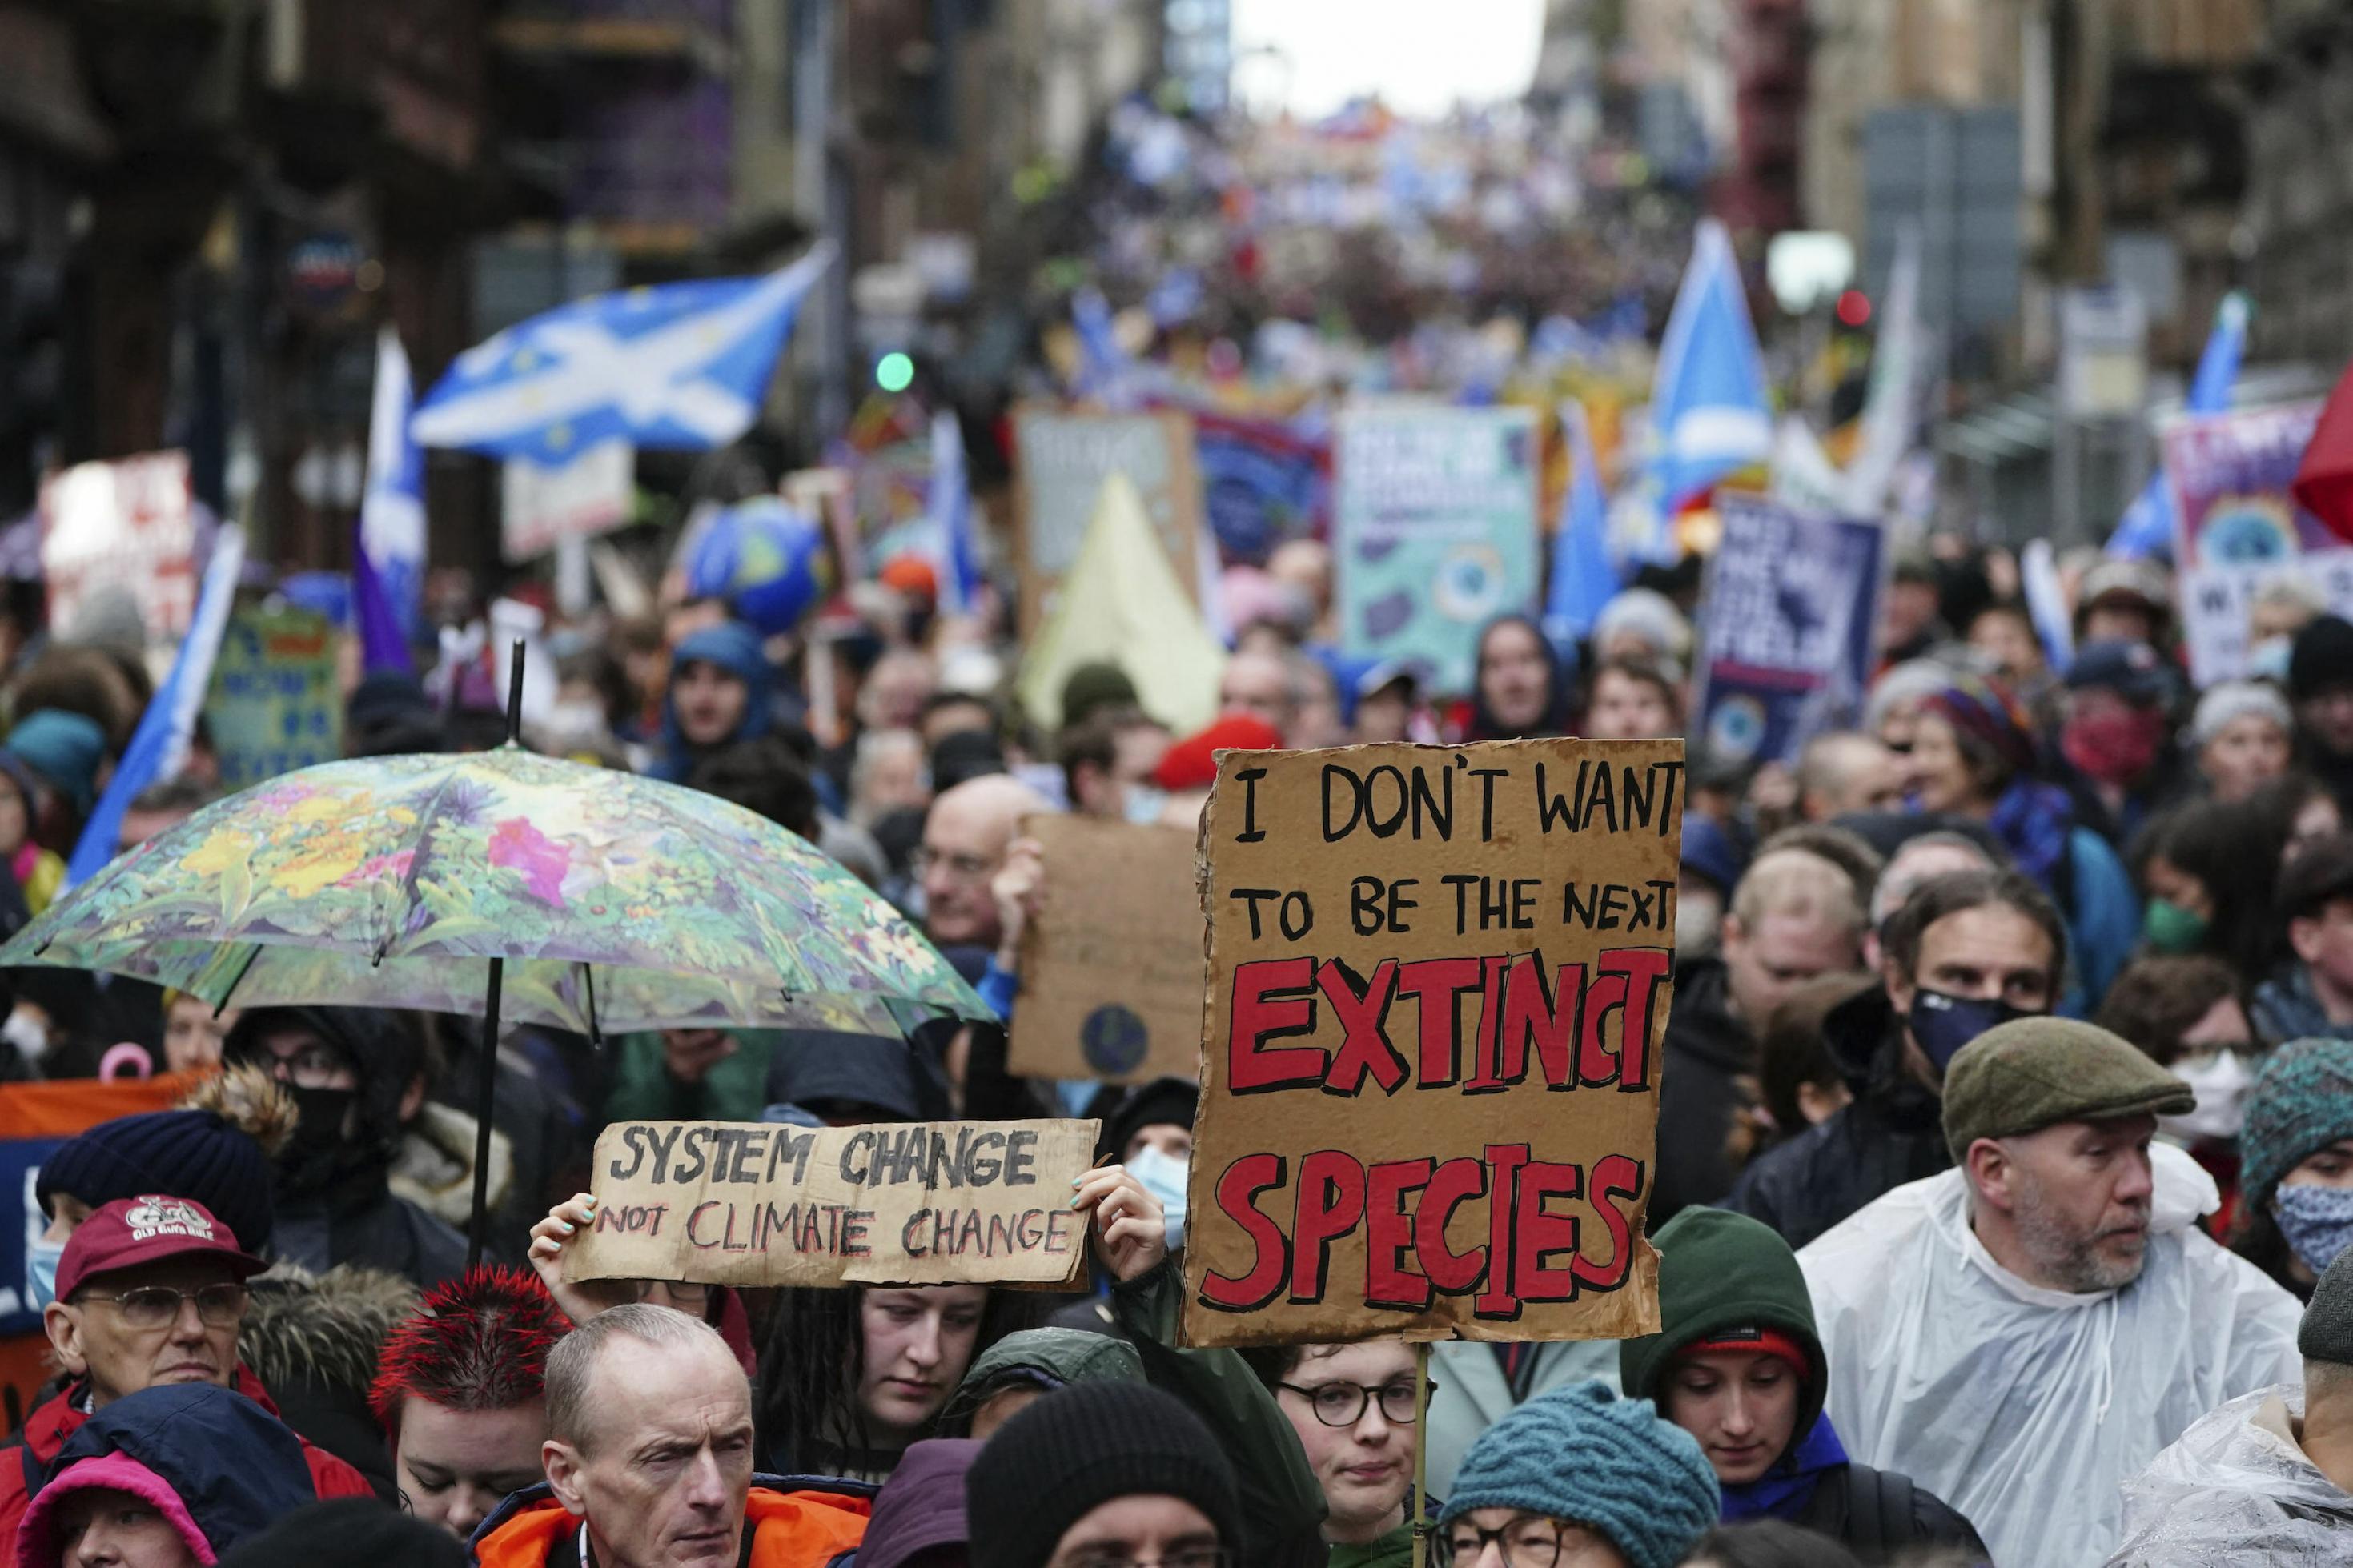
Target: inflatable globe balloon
[[764, 558]]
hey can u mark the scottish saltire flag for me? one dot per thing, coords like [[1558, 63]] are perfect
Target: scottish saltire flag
[[2147, 524], [681, 367], [1584, 578], [160, 744], [392, 512], [951, 509], [2046, 604], [383, 644], [1708, 409]]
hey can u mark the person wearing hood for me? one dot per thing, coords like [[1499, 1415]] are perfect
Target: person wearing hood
[[718, 693], [168, 1477], [2115, 736], [1967, 950], [64, 754], [2025, 1331], [1737, 1365], [919, 1514], [150, 1293], [1793, 916], [1974, 754], [1028, 1365], [460, 1393], [2295, 1145], [2268, 1478], [357, 1074], [1147, 1129], [1522, 688], [314, 1342], [1352, 1409]]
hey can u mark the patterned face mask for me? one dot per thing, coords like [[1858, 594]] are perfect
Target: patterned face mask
[[2317, 1221]]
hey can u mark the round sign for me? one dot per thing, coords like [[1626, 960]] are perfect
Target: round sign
[[1114, 1040]]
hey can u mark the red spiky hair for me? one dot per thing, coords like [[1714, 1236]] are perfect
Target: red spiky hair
[[479, 1342]]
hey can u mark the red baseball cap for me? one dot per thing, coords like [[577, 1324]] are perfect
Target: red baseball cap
[[129, 1232]]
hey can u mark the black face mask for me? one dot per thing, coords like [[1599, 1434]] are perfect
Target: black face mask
[[319, 1152], [1943, 1023]]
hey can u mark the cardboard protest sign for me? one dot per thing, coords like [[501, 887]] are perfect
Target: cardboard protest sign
[[912, 1203], [1786, 628], [1433, 532], [541, 507], [1438, 985], [275, 704], [1111, 965], [1061, 461], [2238, 527], [129, 524]]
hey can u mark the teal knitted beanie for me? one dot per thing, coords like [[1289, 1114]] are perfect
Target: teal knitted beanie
[[1611, 1464], [2302, 1102]]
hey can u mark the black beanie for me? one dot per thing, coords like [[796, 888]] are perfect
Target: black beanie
[[180, 1153], [2320, 657], [1061, 1457], [2326, 1332]]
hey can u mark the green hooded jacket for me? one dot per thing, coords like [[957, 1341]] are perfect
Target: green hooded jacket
[[1038, 1358], [1720, 1273]]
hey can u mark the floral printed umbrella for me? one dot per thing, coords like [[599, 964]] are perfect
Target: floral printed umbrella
[[614, 902]]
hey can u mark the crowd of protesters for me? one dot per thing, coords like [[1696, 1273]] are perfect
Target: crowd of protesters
[[2004, 1181]]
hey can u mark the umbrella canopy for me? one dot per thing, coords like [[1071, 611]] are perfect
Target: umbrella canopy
[[615, 902]]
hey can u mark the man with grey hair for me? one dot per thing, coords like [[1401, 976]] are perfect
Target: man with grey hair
[[648, 1460]]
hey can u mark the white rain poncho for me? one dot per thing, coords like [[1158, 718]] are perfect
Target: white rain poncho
[[2236, 1489], [2027, 1409]]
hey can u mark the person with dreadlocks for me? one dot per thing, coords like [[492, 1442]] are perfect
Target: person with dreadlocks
[[461, 1392]]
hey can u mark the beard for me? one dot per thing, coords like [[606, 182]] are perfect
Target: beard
[[2068, 1257]]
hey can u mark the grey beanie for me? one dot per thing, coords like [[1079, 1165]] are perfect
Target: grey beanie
[[2326, 1332]]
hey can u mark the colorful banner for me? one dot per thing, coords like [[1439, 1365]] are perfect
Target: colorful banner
[[1786, 628], [1434, 531], [2239, 527], [906, 1203], [1061, 461], [1262, 483], [275, 705], [1437, 989]]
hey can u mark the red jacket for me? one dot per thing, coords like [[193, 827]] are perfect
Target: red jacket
[[789, 1525], [49, 1427]]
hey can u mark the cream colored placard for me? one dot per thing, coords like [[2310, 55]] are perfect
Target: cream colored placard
[[1111, 965], [912, 1203], [1436, 1008]]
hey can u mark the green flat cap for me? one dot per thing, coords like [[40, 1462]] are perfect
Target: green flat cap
[[2032, 1073]]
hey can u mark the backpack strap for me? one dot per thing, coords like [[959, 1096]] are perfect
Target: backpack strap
[[1879, 1512]]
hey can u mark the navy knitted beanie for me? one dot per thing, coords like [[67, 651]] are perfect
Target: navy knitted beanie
[[2302, 1102], [1061, 1457], [1612, 1465], [180, 1153]]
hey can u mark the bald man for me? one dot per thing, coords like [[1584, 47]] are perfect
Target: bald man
[[1843, 770], [964, 840]]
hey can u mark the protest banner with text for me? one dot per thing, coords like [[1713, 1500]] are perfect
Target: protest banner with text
[[916, 1203], [1438, 985], [1060, 462], [1111, 965]]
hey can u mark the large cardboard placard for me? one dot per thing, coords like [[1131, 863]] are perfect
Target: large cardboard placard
[[1433, 532], [1062, 460], [1111, 965], [2238, 526], [1788, 628], [912, 1203], [1436, 1003], [275, 705]]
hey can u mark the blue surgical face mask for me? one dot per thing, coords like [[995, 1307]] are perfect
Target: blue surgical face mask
[[41, 1259], [2317, 1221], [1164, 1177], [1944, 1023]]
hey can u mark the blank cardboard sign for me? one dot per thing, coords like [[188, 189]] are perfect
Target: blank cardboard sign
[[916, 1203], [1437, 988], [1111, 967]]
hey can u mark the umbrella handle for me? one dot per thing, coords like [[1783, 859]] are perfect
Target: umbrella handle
[[486, 1093]]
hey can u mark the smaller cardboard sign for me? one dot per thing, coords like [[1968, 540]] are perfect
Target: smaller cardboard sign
[[131, 522], [541, 507], [275, 704], [1111, 966], [901, 1202], [1062, 460]]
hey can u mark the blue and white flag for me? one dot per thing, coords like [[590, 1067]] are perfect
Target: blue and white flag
[[1708, 409], [951, 509], [392, 512], [682, 367], [1584, 578], [1106, 373], [2147, 524], [2046, 604], [160, 745]]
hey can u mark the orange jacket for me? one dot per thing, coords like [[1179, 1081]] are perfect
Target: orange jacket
[[801, 1528]]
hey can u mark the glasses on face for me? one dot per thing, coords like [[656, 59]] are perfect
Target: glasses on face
[[313, 1066], [1529, 1540], [154, 1307], [686, 1298], [1342, 1404], [964, 867], [1182, 1557]]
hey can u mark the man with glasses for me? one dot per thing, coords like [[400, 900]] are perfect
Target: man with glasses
[[150, 1293], [966, 837]]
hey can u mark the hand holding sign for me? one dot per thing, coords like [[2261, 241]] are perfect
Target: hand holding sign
[[1131, 1232]]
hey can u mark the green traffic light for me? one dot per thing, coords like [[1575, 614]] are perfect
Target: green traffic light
[[894, 373]]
